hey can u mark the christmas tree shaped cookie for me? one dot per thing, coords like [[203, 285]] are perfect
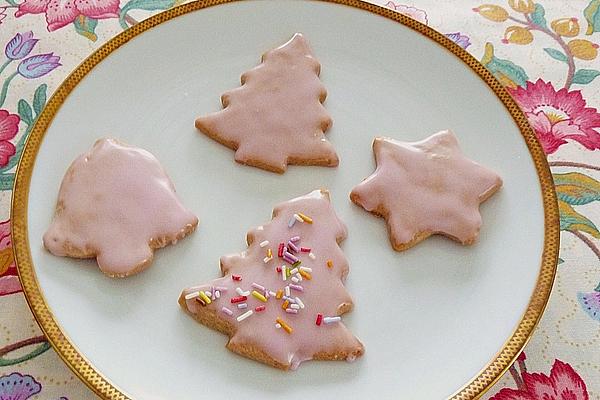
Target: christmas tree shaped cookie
[[425, 188], [280, 301], [276, 117], [117, 204]]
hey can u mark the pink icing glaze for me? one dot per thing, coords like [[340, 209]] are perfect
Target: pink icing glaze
[[116, 203], [324, 293], [427, 187], [276, 116]]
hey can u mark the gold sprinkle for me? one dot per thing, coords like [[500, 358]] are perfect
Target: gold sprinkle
[[305, 275], [305, 218], [285, 326]]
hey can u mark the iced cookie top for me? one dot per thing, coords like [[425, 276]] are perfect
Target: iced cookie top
[[285, 293], [116, 203], [426, 187], [276, 117]]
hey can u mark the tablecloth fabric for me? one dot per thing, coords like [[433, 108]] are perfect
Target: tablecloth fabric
[[544, 52]]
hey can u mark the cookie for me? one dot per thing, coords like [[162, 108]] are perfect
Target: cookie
[[117, 204], [426, 188], [276, 117], [281, 301]]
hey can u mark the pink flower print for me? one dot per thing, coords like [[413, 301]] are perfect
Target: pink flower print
[[9, 126], [9, 281], [558, 116], [409, 11], [562, 384], [98, 9], [60, 13], [31, 7]]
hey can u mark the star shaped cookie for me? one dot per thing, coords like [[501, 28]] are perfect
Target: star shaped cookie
[[426, 188]]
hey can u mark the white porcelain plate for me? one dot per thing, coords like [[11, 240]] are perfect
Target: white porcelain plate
[[430, 318]]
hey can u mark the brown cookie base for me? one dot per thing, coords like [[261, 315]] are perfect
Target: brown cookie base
[[205, 128], [75, 252], [397, 244], [210, 318]]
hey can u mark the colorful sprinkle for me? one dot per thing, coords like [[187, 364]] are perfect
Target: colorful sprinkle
[[279, 294], [267, 259], [221, 288], [200, 301], [272, 293], [287, 291], [190, 296], [291, 310], [299, 277], [278, 325], [290, 256], [280, 250], [285, 326], [296, 287], [285, 304], [227, 311], [257, 286], [269, 253], [300, 303], [204, 297], [329, 264], [241, 306], [241, 292], [305, 218], [208, 293], [295, 306], [287, 259], [283, 273], [292, 221], [259, 296], [319, 319], [218, 294], [298, 218], [244, 315], [238, 299], [305, 249], [306, 269], [260, 308], [236, 277], [293, 247], [294, 271], [305, 275], [312, 256], [330, 320], [295, 239], [295, 280], [264, 243]]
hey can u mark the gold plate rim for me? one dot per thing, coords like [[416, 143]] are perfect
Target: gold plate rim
[[83, 368]]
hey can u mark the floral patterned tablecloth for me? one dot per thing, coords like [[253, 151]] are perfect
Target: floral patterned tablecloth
[[544, 52]]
